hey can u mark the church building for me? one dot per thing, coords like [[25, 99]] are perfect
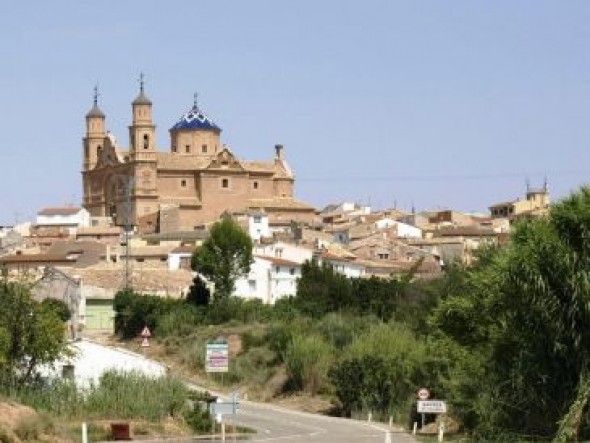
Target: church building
[[191, 185]]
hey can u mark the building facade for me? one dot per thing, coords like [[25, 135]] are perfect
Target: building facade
[[191, 184], [535, 205]]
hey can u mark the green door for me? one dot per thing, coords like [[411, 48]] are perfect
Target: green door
[[99, 314]]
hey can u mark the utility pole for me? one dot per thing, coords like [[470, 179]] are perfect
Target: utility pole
[[127, 182], [127, 214]]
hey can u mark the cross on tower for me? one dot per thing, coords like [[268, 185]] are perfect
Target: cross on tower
[[196, 96], [96, 95]]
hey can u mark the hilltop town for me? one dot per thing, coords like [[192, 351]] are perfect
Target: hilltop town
[[145, 209]]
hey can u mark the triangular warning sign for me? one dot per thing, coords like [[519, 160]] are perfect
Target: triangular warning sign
[[145, 333]]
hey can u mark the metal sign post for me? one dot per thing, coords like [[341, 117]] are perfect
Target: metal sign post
[[423, 394], [145, 335], [235, 398]]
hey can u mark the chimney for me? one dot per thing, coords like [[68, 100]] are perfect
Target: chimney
[[279, 152]]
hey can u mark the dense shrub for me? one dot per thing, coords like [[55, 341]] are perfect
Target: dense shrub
[[117, 395], [135, 311], [390, 364], [308, 358], [59, 307], [363, 384], [134, 395], [180, 321], [280, 334], [199, 294]]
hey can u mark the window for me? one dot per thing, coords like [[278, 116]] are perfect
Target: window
[[146, 141], [277, 269], [187, 148], [183, 183], [225, 183], [255, 185], [174, 148], [204, 149], [139, 260], [257, 219], [292, 271], [252, 285]]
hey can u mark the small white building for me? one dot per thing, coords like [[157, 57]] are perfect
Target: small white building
[[349, 268], [269, 279], [258, 226], [405, 230], [180, 257], [91, 361], [67, 218]]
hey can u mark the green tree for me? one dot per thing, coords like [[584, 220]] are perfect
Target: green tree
[[525, 310], [321, 289], [31, 334], [224, 256], [199, 294], [134, 311], [59, 306]]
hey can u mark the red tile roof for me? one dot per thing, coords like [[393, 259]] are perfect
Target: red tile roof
[[35, 258]]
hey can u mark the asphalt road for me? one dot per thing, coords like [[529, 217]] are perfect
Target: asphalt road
[[276, 424]]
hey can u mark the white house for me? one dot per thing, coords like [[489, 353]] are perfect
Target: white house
[[180, 257], [405, 230], [258, 225], [63, 218], [91, 361], [269, 279], [347, 267]]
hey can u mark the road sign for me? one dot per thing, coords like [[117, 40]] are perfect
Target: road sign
[[217, 357], [145, 332], [224, 408], [432, 406], [423, 394]]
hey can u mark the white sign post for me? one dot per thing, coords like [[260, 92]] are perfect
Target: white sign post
[[432, 406], [217, 357]]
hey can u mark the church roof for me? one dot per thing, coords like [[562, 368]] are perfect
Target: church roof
[[278, 203], [195, 119], [181, 162], [142, 99], [95, 112]]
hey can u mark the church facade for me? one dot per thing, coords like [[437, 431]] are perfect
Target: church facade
[[191, 185]]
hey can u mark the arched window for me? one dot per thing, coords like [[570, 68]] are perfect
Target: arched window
[[146, 141], [98, 151]]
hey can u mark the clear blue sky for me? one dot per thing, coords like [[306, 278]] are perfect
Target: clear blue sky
[[443, 104]]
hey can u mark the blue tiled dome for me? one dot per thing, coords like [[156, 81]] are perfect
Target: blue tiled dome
[[195, 119]]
